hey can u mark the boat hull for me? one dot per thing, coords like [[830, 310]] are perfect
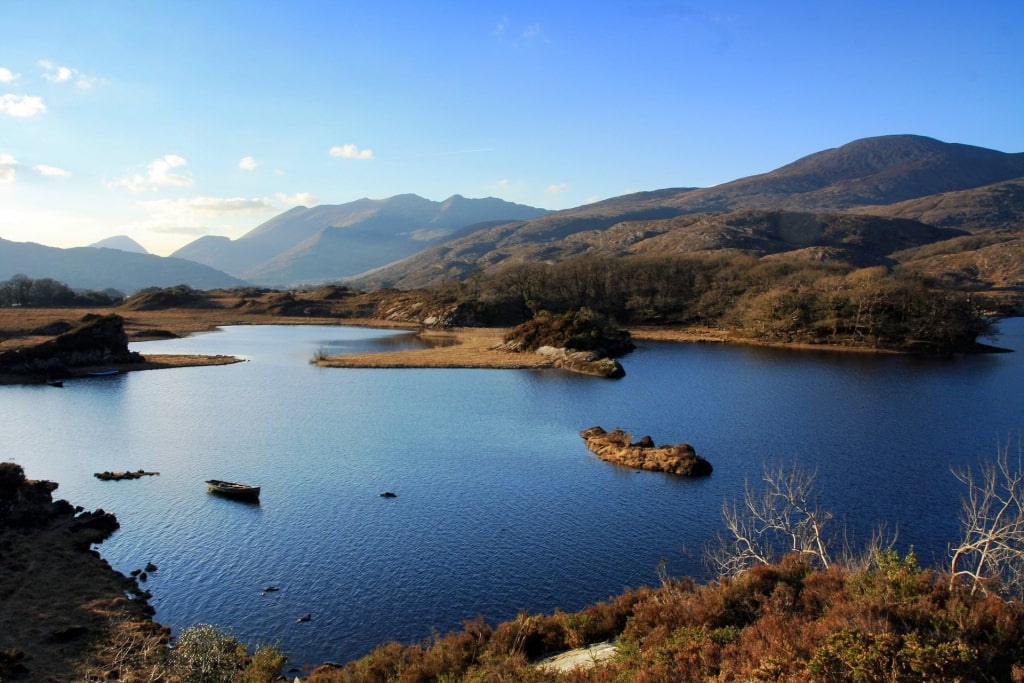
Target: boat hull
[[231, 489]]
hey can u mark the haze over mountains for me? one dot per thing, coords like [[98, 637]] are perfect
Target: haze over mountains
[[946, 209], [330, 242]]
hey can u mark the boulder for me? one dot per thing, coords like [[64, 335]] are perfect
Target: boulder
[[618, 447]]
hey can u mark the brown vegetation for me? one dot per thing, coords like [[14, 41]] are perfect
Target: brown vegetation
[[618, 447], [784, 622], [65, 615]]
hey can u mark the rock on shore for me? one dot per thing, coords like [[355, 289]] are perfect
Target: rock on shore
[[618, 447], [65, 614]]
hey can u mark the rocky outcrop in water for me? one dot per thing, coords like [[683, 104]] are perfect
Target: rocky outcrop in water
[[584, 362], [618, 447], [97, 341]]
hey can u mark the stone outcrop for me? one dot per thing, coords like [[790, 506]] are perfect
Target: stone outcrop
[[584, 362], [99, 340], [618, 447]]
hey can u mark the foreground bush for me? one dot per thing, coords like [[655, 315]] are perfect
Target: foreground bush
[[207, 654], [782, 622]]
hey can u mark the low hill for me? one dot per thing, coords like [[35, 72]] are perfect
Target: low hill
[[999, 206], [329, 242], [92, 268], [857, 240]]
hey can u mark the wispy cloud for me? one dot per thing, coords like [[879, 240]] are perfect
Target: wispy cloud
[[350, 152], [22, 106], [55, 73], [499, 30], [505, 32], [7, 76], [208, 206], [532, 32], [556, 188], [298, 199], [43, 169], [8, 168], [158, 174], [248, 164]]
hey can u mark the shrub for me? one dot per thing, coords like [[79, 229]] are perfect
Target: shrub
[[206, 654]]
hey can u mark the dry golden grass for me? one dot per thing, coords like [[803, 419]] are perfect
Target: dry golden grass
[[466, 348]]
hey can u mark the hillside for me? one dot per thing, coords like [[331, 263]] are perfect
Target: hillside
[[329, 242], [943, 188], [99, 269]]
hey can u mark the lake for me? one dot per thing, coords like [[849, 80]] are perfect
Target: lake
[[499, 506]]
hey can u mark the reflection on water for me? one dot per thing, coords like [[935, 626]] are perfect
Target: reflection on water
[[499, 505]]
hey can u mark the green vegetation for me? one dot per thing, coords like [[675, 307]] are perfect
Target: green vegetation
[[22, 290]]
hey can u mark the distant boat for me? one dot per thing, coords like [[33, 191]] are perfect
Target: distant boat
[[233, 490], [55, 382], [102, 373]]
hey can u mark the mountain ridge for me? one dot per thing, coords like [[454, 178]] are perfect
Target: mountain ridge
[[104, 268], [860, 178], [328, 242]]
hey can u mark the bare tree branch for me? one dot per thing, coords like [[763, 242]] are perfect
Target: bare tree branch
[[991, 553], [782, 518]]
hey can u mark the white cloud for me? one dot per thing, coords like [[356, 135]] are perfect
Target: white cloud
[[43, 169], [158, 174], [22, 106], [351, 152], [7, 76], [532, 32], [298, 199], [8, 169], [248, 164], [208, 206], [56, 73], [557, 188]]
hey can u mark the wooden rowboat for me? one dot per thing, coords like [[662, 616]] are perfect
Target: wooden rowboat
[[233, 490]]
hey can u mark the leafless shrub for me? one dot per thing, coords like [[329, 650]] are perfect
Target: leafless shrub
[[990, 555]]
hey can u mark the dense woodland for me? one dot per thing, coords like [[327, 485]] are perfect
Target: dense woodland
[[760, 299]]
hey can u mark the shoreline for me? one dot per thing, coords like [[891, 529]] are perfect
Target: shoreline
[[460, 347]]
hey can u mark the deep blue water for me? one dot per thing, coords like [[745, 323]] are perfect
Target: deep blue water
[[500, 507]]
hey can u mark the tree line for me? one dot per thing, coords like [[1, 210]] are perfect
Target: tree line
[[21, 290], [760, 299]]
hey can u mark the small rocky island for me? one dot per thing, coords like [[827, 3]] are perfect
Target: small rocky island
[[617, 447]]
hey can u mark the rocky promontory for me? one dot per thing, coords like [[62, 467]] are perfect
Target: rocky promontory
[[618, 447], [65, 614], [97, 341]]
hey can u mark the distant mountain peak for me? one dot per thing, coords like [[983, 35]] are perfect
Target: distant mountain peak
[[122, 242]]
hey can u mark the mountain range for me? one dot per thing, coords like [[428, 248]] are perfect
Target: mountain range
[[330, 242], [945, 209]]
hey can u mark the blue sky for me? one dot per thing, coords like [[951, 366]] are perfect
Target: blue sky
[[166, 121]]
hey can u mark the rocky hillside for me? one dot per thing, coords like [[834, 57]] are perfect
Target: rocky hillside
[[906, 191]]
